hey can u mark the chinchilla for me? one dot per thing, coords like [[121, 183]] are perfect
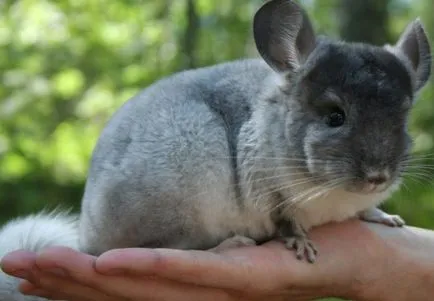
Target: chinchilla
[[313, 131]]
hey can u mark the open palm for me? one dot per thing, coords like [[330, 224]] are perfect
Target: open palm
[[267, 272]]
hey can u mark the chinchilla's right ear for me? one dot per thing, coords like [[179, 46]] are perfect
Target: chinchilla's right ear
[[283, 35], [413, 50]]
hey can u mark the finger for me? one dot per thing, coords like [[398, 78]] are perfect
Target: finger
[[55, 296], [58, 288], [67, 263], [27, 286], [126, 288], [67, 266], [158, 289], [194, 267], [18, 263], [32, 290], [29, 289], [78, 267]]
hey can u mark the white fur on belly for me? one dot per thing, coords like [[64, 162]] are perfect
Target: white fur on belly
[[337, 205]]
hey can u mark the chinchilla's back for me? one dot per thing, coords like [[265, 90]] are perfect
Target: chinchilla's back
[[167, 155]]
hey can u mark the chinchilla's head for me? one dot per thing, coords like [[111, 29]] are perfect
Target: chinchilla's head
[[346, 104]]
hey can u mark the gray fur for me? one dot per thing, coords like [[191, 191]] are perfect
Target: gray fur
[[246, 149], [176, 170]]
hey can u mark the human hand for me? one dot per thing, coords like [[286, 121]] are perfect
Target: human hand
[[267, 272]]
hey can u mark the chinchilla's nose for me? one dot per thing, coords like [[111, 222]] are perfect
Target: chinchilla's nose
[[377, 177]]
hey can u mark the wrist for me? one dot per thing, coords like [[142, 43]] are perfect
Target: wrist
[[372, 282], [402, 268], [366, 262]]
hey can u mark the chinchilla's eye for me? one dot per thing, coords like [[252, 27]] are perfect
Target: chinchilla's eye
[[336, 118]]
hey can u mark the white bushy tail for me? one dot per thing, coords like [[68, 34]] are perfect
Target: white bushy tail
[[34, 233]]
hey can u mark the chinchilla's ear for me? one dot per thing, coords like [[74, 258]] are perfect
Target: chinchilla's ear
[[283, 35], [414, 50]]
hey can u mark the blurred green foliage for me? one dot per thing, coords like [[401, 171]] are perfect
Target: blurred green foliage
[[67, 65]]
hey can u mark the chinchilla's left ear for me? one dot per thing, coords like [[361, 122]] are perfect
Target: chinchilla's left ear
[[283, 34], [414, 50]]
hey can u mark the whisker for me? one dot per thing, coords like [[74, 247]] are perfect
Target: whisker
[[418, 179], [421, 155], [420, 174], [277, 177], [299, 159], [405, 186], [417, 160], [411, 170], [278, 168], [301, 198], [274, 158], [326, 189], [311, 193], [417, 164], [283, 187], [334, 183]]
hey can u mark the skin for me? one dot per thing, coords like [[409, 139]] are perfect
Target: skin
[[358, 261]]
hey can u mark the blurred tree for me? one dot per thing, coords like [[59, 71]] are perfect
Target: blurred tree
[[365, 21], [190, 35]]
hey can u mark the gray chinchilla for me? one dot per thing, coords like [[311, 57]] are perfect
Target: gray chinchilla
[[247, 151], [314, 132]]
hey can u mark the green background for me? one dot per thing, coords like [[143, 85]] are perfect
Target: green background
[[67, 65]]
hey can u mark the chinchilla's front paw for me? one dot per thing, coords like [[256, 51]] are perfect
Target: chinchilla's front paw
[[295, 238], [303, 246], [375, 215]]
